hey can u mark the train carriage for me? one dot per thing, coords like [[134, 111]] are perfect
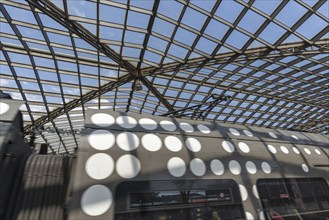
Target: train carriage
[[132, 166], [143, 167]]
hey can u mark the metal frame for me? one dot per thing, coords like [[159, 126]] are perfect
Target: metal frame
[[279, 85]]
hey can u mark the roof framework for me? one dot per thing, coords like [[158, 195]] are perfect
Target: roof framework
[[269, 62]]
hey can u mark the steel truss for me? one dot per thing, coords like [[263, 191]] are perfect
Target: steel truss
[[308, 49]]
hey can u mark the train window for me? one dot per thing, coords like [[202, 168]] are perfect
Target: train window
[[178, 200], [294, 198]]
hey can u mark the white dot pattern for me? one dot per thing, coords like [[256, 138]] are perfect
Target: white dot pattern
[[294, 137], [128, 166], [234, 131], [243, 192], [272, 135], [193, 144], [186, 127], [96, 200], [249, 216], [305, 168], [217, 167], [168, 125], [266, 167], [284, 150], [148, 124], [126, 122], [176, 167], [307, 150], [173, 144], [95, 166], [255, 191], [261, 215], [101, 140], [251, 167], [248, 133], [4, 107], [295, 149], [234, 167], [151, 142], [317, 151], [102, 119], [272, 149], [244, 147], [228, 146], [198, 167], [204, 129], [127, 141]]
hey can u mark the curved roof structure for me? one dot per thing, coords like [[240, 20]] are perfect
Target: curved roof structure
[[258, 63]]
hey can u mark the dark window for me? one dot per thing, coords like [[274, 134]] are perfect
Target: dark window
[[178, 200], [290, 199]]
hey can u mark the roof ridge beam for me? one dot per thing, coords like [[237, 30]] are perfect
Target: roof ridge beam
[[299, 48]]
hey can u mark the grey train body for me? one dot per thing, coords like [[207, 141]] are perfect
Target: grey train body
[[147, 155], [132, 166]]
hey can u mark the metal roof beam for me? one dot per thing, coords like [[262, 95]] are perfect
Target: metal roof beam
[[76, 103], [292, 49], [58, 15]]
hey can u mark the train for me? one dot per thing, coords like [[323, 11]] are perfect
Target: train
[[145, 167]]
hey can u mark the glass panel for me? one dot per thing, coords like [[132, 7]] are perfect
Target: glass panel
[[193, 19], [179, 200], [229, 10], [302, 199]]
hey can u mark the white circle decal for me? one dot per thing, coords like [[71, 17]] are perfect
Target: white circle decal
[[217, 167], [102, 119], [248, 133], [284, 149], [204, 129], [234, 131], [249, 216], [261, 215], [307, 150], [294, 137], [234, 167], [272, 135], [244, 147], [173, 143], [295, 149], [148, 124], [101, 140], [151, 142], [193, 144], [176, 167], [255, 191], [96, 200], [198, 167], [126, 121], [271, 148], [186, 127], [4, 107], [99, 166], [251, 167], [266, 167], [317, 151], [128, 166], [127, 141], [168, 125], [228, 146], [243, 192], [305, 168]]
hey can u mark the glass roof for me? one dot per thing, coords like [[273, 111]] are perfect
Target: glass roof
[[258, 63]]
